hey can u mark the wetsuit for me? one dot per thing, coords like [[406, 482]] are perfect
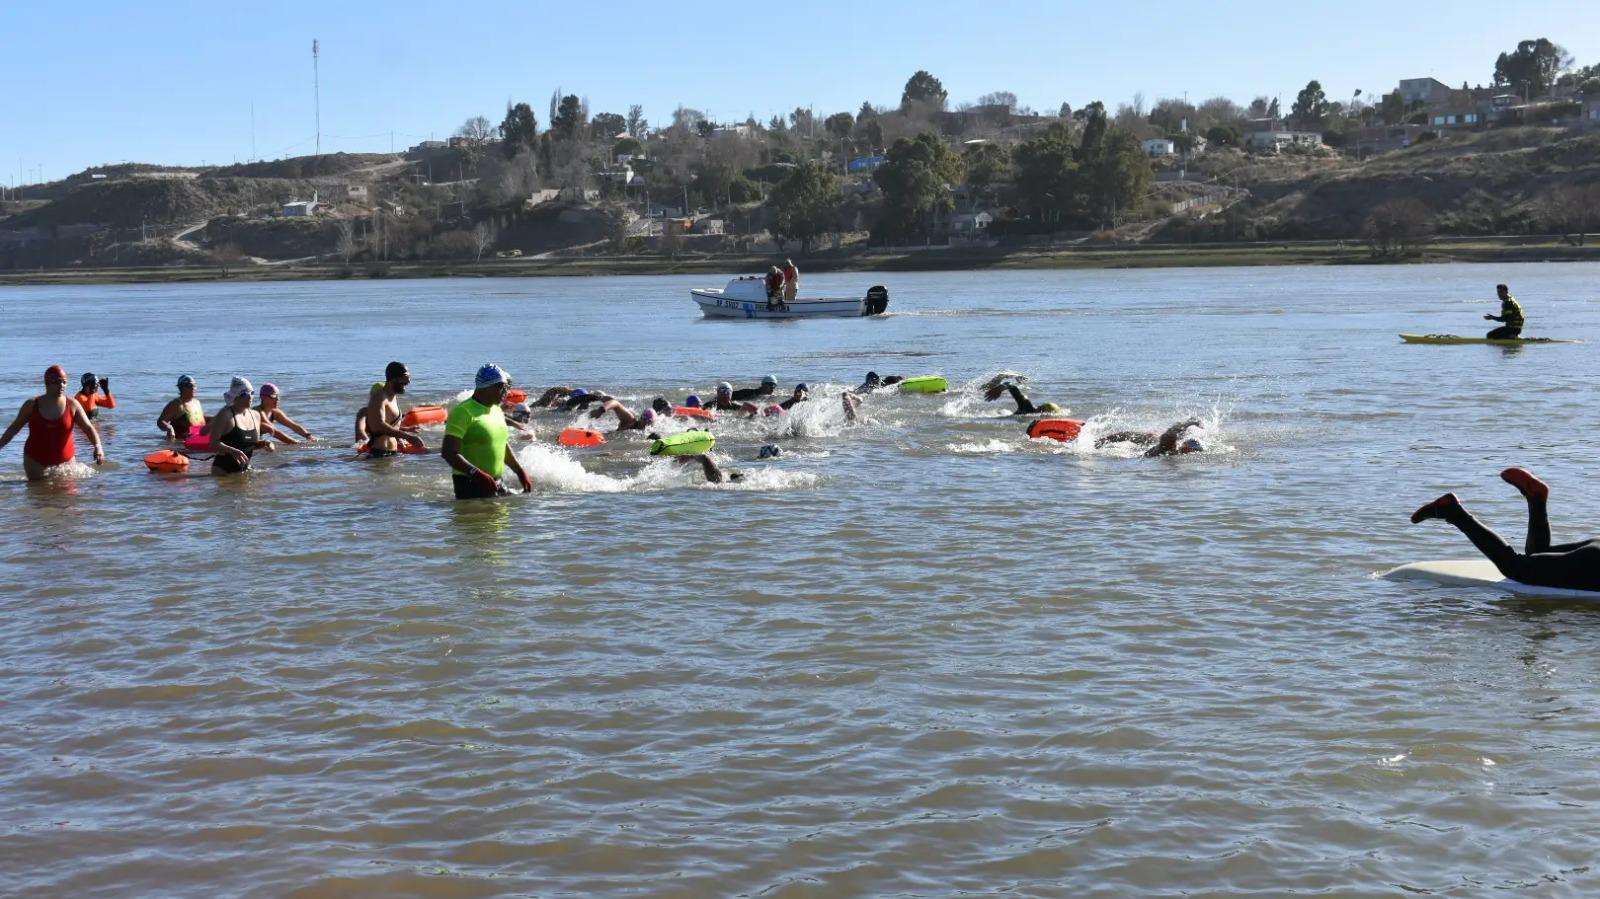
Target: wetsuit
[[1511, 316], [49, 442], [754, 393], [91, 400], [483, 435], [241, 439], [1572, 566], [1024, 406]]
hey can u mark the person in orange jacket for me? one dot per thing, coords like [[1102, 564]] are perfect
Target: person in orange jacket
[[89, 399]]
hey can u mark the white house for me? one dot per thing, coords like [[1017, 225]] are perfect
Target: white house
[[1157, 147], [301, 208], [969, 224], [1275, 140], [356, 192]]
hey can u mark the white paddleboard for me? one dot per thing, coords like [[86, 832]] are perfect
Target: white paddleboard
[[1480, 573]]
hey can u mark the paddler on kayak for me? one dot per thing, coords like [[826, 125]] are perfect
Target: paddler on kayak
[[50, 418], [475, 439], [384, 434], [1510, 316], [1571, 566]]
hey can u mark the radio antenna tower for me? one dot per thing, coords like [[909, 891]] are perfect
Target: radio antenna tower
[[316, 91]]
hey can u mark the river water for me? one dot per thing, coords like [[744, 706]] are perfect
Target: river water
[[914, 655]]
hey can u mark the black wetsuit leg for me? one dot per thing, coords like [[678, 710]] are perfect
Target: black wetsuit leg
[[1487, 541], [1571, 566], [1504, 332], [469, 488], [1538, 527]]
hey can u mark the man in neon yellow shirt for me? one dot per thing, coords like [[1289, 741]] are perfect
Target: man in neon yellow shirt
[[475, 442]]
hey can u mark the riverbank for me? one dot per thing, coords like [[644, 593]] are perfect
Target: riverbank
[[1481, 250]]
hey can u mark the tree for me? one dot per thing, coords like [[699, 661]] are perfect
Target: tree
[[803, 205], [1219, 111], [483, 237], [1532, 68], [1311, 104], [568, 121], [347, 240], [802, 121], [839, 125], [1397, 227], [628, 145], [1173, 115], [1259, 106], [1392, 108], [519, 131], [476, 129], [999, 98], [1571, 211], [923, 88], [1118, 175], [1223, 135], [1046, 173], [1094, 124], [915, 177], [987, 164], [1065, 112], [637, 123], [1272, 109], [607, 125]]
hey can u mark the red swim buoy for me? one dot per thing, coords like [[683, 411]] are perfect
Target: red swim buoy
[[581, 437], [1062, 429], [423, 415], [167, 462], [694, 412]]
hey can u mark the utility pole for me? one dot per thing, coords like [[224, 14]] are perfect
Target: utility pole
[[316, 89], [252, 131]]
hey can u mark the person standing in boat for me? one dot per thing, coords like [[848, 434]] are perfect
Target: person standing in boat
[[791, 280], [1510, 316], [774, 288]]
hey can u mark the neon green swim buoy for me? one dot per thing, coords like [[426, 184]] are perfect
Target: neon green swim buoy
[[924, 384], [688, 443]]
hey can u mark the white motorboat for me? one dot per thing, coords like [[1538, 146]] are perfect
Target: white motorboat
[[747, 298]]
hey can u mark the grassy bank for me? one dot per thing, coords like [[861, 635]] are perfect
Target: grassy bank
[[1485, 250]]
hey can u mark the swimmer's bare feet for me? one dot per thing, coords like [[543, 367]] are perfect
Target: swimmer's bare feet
[[1531, 487], [1439, 508]]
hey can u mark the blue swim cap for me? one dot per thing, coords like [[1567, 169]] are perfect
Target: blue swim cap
[[692, 401], [491, 374], [579, 391], [1192, 446]]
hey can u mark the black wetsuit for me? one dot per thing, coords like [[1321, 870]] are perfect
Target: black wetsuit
[[1511, 314], [240, 439], [1572, 566], [1024, 406], [754, 393]]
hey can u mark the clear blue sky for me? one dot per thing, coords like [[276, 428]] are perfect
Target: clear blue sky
[[173, 82]]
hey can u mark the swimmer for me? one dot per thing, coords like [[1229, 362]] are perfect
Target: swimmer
[[1164, 444], [552, 398], [50, 418], [801, 394], [274, 414], [184, 416], [873, 383], [1002, 384], [626, 420], [724, 401], [89, 399], [579, 398], [238, 432], [692, 401], [769, 386], [475, 439], [383, 414], [519, 418], [1572, 566], [852, 404], [714, 474], [661, 407], [1510, 317]]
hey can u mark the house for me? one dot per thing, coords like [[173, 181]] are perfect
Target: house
[[709, 226], [968, 225], [578, 195], [1157, 147], [622, 175], [541, 196], [1275, 139], [301, 208], [356, 192], [429, 145], [1422, 90]]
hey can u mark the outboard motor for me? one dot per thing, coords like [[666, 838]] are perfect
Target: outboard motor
[[877, 300]]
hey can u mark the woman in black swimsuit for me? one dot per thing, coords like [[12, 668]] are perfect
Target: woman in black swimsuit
[[238, 431]]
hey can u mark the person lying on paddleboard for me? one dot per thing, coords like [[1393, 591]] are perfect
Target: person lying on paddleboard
[[1164, 444], [1572, 566], [50, 418], [475, 439], [769, 386], [1510, 316], [1001, 384]]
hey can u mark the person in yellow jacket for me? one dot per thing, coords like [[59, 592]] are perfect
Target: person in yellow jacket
[[1510, 316]]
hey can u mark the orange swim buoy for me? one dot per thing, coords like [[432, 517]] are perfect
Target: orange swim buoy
[[581, 437], [694, 412], [423, 415], [167, 462], [515, 396], [1062, 429]]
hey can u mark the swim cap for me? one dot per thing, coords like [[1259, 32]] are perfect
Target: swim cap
[[770, 452], [1047, 407], [491, 374], [647, 416], [238, 387], [1192, 446], [800, 387], [519, 412], [872, 376], [393, 370], [269, 389], [55, 373], [692, 401], [87, 380], [185, 381], [724, 387], [770, 379], [578, 391]]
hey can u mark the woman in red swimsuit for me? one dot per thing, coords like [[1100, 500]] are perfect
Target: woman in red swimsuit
[[50, 419]]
